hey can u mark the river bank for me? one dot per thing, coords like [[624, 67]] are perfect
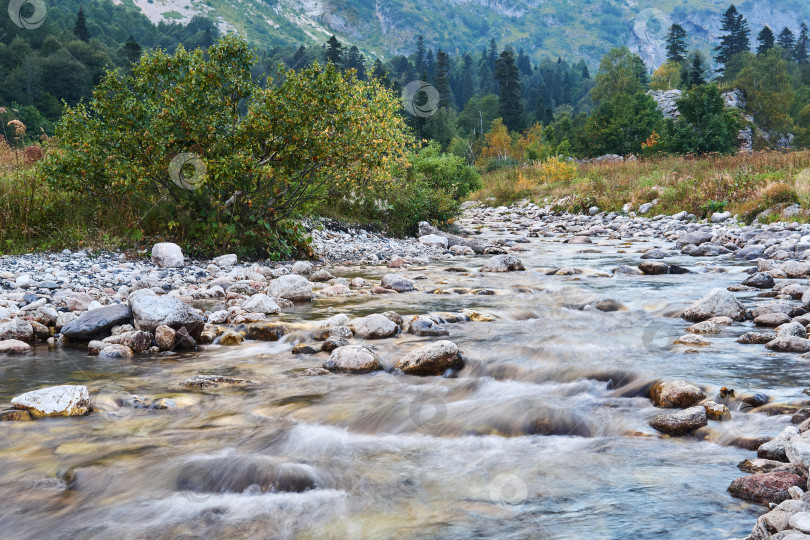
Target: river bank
[[330, 393]]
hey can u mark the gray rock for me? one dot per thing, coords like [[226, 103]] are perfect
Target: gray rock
[[225, 261], [760, 281], [503, 263], [718, 302], [96, 322], [291, 287], [115, 352], [681, 422], [425, 326], [150, 311], [17, 329], [353, 359], [397, 283], [676, 394], [261, 303], [749, 253], [432, 359], [720, 217], [789, 344], [696, 238], [374, 326], [167, 255], [64, 400]]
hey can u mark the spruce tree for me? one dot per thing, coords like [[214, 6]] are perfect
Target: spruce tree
[[506, 72], [80, 29], [430, 65], [334, 52], [485, 75], [766, 40], [131, 50], [379, 73], [355, 60], [585, 73], [787, 40], [736, 38], [697, 72], [441, 81], [467, 82], [524, 64], [800, 54], [676, 44], [299, 60], [419, 55], [493, 54]]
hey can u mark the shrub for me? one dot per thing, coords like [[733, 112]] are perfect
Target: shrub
[[555, 169], [778, 193]]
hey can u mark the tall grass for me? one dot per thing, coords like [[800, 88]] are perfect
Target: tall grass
[[742, 183]]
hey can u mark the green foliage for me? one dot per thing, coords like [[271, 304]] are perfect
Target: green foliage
[[270, 153], [620, 73], [704, 125], [620, 125], [765, 81]]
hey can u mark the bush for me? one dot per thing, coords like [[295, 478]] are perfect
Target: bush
[[262, 154], [555, 169]]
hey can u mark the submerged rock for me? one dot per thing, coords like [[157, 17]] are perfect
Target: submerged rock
[[681, 422]]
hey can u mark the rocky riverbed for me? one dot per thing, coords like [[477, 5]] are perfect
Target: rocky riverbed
[[537, 373]]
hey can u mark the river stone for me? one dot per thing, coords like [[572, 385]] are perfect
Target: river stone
[[767, 487], [801, 521], [423, 325], [795, 269], [247, 473], [214, 381], [323, 334], [397, 283], [675, 394], [718, 302], [696, 238], [302, 268], [681, 422], [705, 327], [291, 287], [98, 321], [653, 268], [791, 329], [333, 343], [14, 346], [692, 339], [230, 338], [749, 253], [789, 344], [432, 359], [320, 276], [503, 263], [164, 337], [65, 400], [797, 451], [353, 359], [717, 411], [434, 240], [115, 352], [376, 326], [265, 331], [771, 320], [756, 338], [261, 303], [226, 261], [139, 341], [15, 415], [775, 449], [167, 255], [760, 281], [757, 465], [150, 311], [17, 329]]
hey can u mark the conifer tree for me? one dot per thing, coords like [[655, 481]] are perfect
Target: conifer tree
[[131, 50], [467, 82], [735, 40], [766, 40], [80, 29], [787, 40], [355, 60], [697, 71], [506, 72], [676, 43], [441, 81], [334, 52], [800, 54], [419, 55]]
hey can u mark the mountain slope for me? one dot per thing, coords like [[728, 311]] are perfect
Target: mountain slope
[[570, 28]]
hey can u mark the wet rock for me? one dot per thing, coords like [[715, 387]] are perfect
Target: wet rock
[[376, 326], [150, 311], [214, 381], [717, 411], [138, 341], [789, 344], [303, 348], [164, 337], [432, 359], [653, 268], [183, 340], [696, 238], [775, 449], [718, 302], [756, 338], [315, 372], [681, 422], [705, 327], [17, 329], [423, 325], [503, 263], [760, 281], [675, 394], [767, 487], [353, 359], [397, 283], [794, 329], [64, 400], [261, 303], [771, 319], [265, 331], [693, 340], [291, 287], [759, 465], [654, 253], [94, 347], [478, 316], [749, 253], [247, 474], [15, 416], [14, 346], [333, 343], [755, 400], [231, 339], [167, 255], [395, 317], [115, 352]]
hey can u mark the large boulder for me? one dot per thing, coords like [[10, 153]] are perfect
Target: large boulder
[[397, 283], [676, 394], [14, 346], [261, 303], [423, 325], [98, 321], [696, 238], [434, 240], [374, 326], [503, 263], [65, 400], [769, 487], [432, 359], [791, 344], [718, 302], [150, 311], [291, 287], [353, 359], [681, 422], [167, 255], [17, 329], [760, 280]]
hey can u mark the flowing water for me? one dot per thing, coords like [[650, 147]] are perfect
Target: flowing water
[[543, 435]]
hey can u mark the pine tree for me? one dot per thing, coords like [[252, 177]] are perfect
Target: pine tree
[[524, 64], [441, 81], [419, 56], [379, 73], [800, 54], [787, 40], [676, 43], [131, 50], [585, 73], [467, 82], [299, 60], [766, 40], [493, 55], [506, 72], [697, 72], [485, 75], [80, 29], [735, 40], [334, 52], [355, 60], [430, 65]]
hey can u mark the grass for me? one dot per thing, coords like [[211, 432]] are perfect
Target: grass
[[744, 184]]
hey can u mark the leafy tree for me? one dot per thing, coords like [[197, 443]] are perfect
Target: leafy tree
[[269, 152], [478, 115], [80, 29], [620, 72], [334, 52], [704, 125], [667, 76], [736, 39], [498, 143], [765, 81], [511, 108], [620, 125], [676, 44], [800, 53], [766, 40]]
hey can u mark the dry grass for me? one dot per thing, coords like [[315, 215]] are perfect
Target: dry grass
[[741, 183]]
